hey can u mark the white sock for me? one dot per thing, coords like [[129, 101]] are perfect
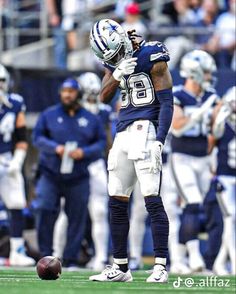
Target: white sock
[[160, 260]]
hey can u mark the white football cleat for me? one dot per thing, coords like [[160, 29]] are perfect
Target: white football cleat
[[20, 259], [159, 275], [112, 274]]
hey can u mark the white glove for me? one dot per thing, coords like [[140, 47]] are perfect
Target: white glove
[[126, 67], [156, 160], [17, 161]]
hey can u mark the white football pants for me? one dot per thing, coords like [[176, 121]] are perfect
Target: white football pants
[[12, 191], [129, 160], [192, 176]]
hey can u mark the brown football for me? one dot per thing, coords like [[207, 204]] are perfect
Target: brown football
[[49, 268]]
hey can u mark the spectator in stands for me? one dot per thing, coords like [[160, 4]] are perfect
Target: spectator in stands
[[223, 42], [133, 20], [179, 12], [70, 20], [208, 15], [68, 137], [3, 14], [54, 8]]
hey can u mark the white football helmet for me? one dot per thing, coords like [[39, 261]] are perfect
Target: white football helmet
[[110, 42], [4, 79], [196, 65], [91, 86]]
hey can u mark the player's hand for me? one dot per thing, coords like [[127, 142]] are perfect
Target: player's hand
[[60, 149], [77, 154], [126, 67], [156, 160]]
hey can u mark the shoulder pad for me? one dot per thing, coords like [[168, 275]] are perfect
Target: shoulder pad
[[158, 51], [17, 97]]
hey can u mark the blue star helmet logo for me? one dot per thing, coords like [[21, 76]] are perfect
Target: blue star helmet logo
[[111, 28]]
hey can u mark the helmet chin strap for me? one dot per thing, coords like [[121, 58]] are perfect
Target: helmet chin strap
[[4, 100]]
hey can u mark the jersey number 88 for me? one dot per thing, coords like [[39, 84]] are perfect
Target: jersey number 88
[[139, 90]]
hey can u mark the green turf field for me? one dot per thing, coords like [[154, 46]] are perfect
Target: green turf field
[[26, 282]]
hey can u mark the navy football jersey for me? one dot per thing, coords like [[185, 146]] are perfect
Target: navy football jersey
[[8, 116], [139, 100], [227, 152], [194, 141], [56, 127]]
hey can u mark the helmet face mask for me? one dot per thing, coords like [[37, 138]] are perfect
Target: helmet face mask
[[110, 42], [199, 66], [119, 56]]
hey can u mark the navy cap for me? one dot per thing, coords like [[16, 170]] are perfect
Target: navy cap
[[70, 83]]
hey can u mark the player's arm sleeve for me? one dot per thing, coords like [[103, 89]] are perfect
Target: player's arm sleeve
[[162, 82], [40, 136], [99, 145]]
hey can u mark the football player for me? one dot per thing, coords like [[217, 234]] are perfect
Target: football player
[[194, 102], [12, 124], [140, 70], [224, 129]]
